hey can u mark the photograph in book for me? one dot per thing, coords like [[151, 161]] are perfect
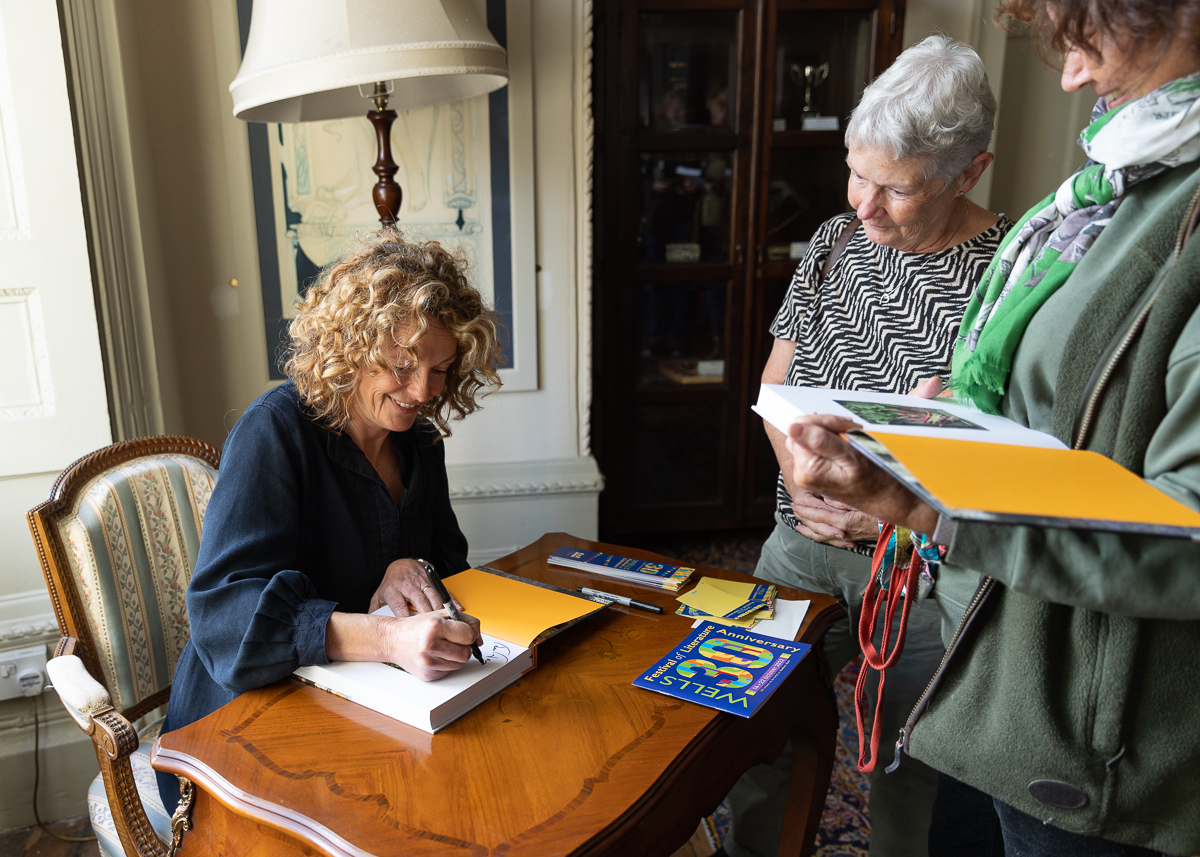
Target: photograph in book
[[906, 415], [781, 405]]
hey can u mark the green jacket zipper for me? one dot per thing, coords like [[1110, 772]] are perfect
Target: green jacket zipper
[[902, 743]]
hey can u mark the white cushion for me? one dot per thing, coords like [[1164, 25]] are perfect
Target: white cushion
[[80, 693]]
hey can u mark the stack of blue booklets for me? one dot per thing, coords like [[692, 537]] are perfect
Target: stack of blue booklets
[[724, 668], [658, 574]]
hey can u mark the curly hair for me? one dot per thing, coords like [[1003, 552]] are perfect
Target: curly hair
[[385, 292], [1057, 25]]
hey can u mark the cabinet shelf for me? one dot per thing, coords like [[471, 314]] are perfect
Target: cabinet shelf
[[808, 139]]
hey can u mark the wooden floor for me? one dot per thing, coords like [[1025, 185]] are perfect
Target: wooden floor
[[33, 841]]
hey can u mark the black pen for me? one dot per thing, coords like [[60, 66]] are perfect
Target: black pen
[[447, 601], [619, 599]]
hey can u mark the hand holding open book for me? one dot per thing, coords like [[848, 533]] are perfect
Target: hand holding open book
[[908, 460]]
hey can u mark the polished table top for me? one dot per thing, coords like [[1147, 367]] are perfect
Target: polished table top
[[571, 759]]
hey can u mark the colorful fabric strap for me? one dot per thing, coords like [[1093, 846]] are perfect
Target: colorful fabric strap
[[898, 552], [1126, 145]]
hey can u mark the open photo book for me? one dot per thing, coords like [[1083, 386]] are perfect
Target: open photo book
[[981, 467], [514, 614]]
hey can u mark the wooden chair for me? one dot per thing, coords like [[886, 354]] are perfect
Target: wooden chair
[[118, 539]]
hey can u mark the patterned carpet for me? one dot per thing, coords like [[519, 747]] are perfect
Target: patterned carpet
[[845, 824]]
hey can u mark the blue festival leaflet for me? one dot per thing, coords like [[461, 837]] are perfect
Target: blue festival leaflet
[[724, 668]]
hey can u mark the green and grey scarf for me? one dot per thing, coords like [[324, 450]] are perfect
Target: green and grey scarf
[[1130, 144]]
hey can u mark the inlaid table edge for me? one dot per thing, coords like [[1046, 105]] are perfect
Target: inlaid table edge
[[251, 807]]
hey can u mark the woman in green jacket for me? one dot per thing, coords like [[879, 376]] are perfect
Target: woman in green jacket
[[1065, 693]]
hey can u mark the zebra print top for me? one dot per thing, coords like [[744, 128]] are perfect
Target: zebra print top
[[883, 320]]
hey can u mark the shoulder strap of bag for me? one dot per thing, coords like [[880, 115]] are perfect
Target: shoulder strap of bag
[[839, 246]]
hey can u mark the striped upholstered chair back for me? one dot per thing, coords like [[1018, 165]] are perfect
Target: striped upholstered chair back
[[118, 540]]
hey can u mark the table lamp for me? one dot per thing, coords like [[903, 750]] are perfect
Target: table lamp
[[314, 60]]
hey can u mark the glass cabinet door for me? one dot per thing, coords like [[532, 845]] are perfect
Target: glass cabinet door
[[822, 60], [684, 213], [821, 65], [719, 152], [687, 65]]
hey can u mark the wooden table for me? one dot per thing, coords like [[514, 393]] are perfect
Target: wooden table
[[569, 760]]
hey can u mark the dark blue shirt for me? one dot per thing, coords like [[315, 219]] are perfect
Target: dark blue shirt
[[299, 525]]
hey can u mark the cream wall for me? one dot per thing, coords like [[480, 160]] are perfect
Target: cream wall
[[1037, 123], [1036, 144]]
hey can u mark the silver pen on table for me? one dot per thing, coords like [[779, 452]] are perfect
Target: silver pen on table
[[619, 599]]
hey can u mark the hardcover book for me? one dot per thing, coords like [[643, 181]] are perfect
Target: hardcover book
[[724, 668], [973, 466], [657, 574], [515, 615]]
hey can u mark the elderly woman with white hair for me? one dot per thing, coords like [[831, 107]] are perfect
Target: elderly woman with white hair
[[880, 315]]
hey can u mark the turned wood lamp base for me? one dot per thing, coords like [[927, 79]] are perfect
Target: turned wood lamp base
[[386, 193]]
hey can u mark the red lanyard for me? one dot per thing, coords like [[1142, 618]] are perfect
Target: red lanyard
[[903, 580]]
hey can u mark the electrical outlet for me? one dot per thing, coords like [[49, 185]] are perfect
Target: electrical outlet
[[22, 672]]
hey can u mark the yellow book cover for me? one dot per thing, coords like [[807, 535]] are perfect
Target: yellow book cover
[[1004, 483], [975, 466]]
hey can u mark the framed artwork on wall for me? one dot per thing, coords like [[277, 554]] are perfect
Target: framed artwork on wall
[[466, 170]]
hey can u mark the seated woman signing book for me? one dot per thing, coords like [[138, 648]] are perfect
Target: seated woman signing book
[[333, 486]]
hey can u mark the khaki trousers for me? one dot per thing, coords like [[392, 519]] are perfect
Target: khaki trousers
[[900, 802]]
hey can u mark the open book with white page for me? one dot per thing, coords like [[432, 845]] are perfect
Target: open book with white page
[[970, 465], [515, 615]]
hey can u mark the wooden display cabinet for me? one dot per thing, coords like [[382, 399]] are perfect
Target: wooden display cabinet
[[719, 127]]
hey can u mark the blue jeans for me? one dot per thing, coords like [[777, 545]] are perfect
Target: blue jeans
[[969, 823], [964, 822], [1026, 836]]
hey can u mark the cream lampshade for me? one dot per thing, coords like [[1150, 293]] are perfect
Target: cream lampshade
[[313, 60]]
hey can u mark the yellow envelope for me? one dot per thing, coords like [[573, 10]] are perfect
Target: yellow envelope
[[712, 599], [733, 587]]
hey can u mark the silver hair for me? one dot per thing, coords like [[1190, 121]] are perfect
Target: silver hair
[[934, 103]]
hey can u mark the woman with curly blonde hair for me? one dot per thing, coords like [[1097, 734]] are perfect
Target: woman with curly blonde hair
[[333, 487]]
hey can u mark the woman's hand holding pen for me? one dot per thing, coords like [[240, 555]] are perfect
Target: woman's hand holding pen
[[428, 645]]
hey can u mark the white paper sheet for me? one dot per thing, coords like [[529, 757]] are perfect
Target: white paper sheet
[[789, 616]]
